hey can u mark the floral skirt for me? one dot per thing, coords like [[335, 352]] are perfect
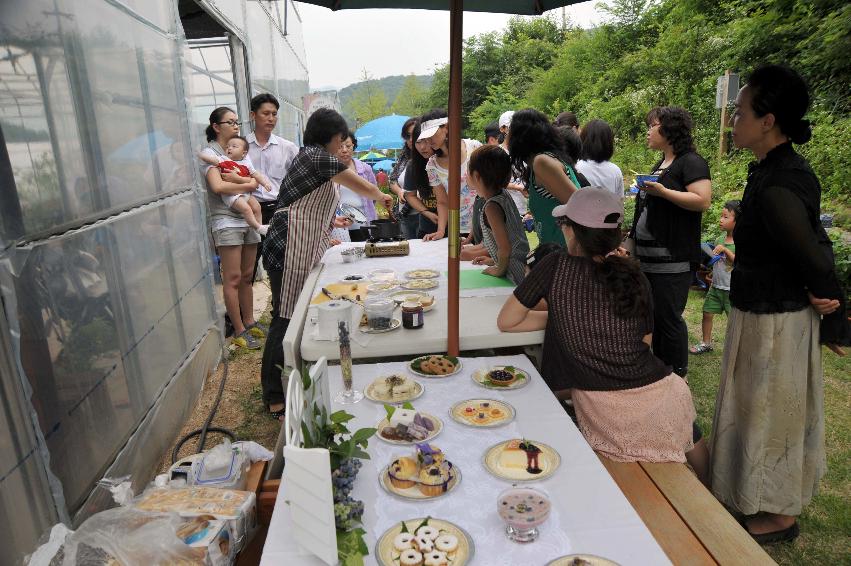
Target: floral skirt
[[647, 424], [767, 445]]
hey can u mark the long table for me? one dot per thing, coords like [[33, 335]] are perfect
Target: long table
[[477, 313], [590, 513]]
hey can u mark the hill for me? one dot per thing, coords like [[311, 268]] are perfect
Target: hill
[[390, 86]]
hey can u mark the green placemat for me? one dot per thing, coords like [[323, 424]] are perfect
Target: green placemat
[[475, 279]]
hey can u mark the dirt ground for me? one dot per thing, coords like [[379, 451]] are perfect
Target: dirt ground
[[241, 408]]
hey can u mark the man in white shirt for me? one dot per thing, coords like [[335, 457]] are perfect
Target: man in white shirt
[[271, 155]]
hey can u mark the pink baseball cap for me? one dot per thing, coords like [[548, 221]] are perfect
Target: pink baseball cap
[[591, 207]]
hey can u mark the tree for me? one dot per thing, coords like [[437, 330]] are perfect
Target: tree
[[411, 98], [368, 101]]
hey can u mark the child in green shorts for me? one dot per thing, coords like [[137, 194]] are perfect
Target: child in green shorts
[[718, 297]]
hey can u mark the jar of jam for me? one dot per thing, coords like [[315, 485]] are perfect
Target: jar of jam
[[412, 315]]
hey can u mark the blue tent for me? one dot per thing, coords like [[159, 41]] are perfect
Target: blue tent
[[381, 133], [387, 165]]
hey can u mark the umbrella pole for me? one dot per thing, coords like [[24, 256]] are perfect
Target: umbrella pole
[[456, 19]]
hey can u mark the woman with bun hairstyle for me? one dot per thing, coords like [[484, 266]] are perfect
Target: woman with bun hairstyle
[[235, 241], [537, 152], [768, 441], [629, 405]]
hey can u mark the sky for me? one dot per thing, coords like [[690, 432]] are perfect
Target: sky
[[340, 45]]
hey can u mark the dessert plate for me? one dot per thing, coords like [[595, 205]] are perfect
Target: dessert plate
[[438, 426], [416, 366], [482, 413], [581, 560], [394, 324], [372, 394], [514, 377], [420, 284], [422, 274], [414, 492], [548, 461], [388, 555]]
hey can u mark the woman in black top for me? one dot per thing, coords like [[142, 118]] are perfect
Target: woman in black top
[[666, 228], [768, 441], [417, 190]]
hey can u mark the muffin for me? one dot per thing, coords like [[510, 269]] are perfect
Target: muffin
[[434, 480], [403, 473]]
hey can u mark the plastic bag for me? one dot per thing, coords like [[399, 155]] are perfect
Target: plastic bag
[[129, 537], [224, 466]]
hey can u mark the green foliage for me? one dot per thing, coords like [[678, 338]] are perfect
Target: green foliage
[[368, 100], [842, 259], [411, 98]]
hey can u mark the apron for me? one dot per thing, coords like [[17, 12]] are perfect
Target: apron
[[542, 209], [308, 230]]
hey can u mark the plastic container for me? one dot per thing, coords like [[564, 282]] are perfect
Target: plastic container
[[223, 467], [379, 312], [382, 275]]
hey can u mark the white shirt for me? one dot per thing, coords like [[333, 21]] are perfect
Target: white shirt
[[602, 174], [273, 160]]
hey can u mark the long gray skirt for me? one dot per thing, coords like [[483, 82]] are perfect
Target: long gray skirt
[[767, 445]]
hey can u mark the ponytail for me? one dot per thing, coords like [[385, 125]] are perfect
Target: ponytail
[[620, 276], [216, 117]]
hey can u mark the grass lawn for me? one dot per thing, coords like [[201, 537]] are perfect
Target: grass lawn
[[826, 522]]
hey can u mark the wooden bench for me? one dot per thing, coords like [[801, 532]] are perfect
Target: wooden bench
[[690, 525]]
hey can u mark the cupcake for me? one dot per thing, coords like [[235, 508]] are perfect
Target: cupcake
[[434, 480], [403, 473], [428, 454]]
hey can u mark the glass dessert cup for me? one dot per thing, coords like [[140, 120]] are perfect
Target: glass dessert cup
[[523, 509]]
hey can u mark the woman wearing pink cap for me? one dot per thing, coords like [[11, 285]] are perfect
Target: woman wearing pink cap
[[629, 405]]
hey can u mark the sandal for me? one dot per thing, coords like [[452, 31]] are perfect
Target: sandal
[[700, 348], [257, 329], [277, 415], [785, 535]]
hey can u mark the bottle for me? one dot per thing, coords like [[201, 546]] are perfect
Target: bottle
[[412, 315]]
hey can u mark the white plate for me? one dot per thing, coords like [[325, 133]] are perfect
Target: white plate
[[370, 392], [421, 374], [438, 426], [588, 558], [414, 493], [399, 297], [480, 377], [422, 274], [386, 555], [396, 323], [420, 284], [345, 281], [456, 412], [549, 461]]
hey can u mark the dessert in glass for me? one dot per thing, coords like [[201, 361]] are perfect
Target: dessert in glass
[[523, 509]]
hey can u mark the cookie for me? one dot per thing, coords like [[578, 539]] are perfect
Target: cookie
[[441, 366]]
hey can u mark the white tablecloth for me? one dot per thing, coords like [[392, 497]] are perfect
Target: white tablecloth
[[477, 313], [590, 514], [423, 255]]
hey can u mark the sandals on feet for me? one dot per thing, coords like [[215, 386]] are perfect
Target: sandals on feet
[[700, 348], [785, 535], [277, 415]]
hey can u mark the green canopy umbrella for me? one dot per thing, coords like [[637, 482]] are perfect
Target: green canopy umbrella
[[456, 9]]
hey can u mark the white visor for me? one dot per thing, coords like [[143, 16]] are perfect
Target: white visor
[[430, 128]]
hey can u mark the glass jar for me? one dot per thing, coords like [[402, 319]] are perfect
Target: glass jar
[[379, 312], [412, 314]]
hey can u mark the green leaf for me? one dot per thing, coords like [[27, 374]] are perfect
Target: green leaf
[[360, 454], [350, 547], [407, 405], [452, 359], [405, 528], [390, 409], [341, 416], [306, 382], [510, 369], [363, 434], [423, 524], [307, 438]]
